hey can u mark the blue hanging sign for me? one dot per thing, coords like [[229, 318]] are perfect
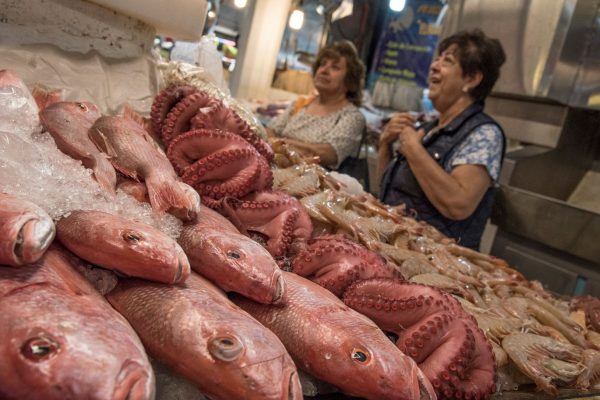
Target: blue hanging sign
[[407, 44]]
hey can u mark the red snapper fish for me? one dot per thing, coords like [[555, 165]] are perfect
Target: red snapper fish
[[234, 262], [135, 154], [336, 344], [26, 231], [69, 123], [61, 340], [123, 245], [198, 332]]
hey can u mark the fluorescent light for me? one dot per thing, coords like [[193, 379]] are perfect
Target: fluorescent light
[[240, 3], [397, 5], [211, 14], [296, 19]]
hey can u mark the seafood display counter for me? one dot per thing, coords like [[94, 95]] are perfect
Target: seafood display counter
[[183, 237]]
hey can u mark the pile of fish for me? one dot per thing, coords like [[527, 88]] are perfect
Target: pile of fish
[[94, 283]]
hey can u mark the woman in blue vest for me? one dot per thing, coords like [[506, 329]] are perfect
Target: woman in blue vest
[[446, 170]]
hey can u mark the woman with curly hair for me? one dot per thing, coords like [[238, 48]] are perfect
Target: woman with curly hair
[[328, 125]]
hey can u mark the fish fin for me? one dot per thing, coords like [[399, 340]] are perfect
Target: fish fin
[[45, 96], [105, 174], [145, 123], [103, 144], [132, 115]]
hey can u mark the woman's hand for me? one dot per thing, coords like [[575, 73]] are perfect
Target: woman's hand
[[401, 128], [270, 133], [394, 127], [303, 148]]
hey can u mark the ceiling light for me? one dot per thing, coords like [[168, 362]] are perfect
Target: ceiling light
[[296, 19], [397, 5], [240, 3]]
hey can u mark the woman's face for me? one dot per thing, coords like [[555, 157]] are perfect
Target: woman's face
[[330, 75], [446, 80]]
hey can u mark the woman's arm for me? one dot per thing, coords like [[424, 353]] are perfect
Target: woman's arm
[[455, 195], [344, 139], [325, 151]]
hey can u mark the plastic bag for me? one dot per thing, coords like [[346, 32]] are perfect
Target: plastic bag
[[209, 59]]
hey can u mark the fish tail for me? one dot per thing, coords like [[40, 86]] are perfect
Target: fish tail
[[105, 175]]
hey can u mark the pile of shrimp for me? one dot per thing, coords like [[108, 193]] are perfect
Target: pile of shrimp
[[538, 338]]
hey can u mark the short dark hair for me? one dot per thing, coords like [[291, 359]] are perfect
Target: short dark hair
[[477, 53], [355, 74]]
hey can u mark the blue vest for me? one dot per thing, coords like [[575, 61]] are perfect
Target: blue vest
[[399, 185]]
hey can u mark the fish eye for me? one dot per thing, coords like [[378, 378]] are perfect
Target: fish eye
[[360, 355], [225, 348], [234, 254], [39, 348], [132, 236]]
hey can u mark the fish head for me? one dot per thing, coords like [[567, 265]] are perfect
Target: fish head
[[140, 243], [250, 268], [54, 361], [375, 368], [253, 363], [73, 115], [25, 234]]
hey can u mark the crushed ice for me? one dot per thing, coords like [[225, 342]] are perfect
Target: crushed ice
[[32, 167]]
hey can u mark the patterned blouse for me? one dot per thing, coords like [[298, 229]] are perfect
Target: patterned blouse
[[482, 147], [342, 129]]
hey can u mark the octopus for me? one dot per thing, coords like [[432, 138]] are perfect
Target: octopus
[[274, 219], [219, 163], [209, 145], [334, 262], [433, 329]]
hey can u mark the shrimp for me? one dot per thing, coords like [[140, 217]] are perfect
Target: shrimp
[[546, 361]]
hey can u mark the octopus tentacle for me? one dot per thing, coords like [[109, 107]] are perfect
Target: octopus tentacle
[[482, 370], [163, 102], [178, 119], [219, 163], [223, 117], [432, 328], [205, 180], [265, 181], [192, 146], [275, 218], [334, 262]]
